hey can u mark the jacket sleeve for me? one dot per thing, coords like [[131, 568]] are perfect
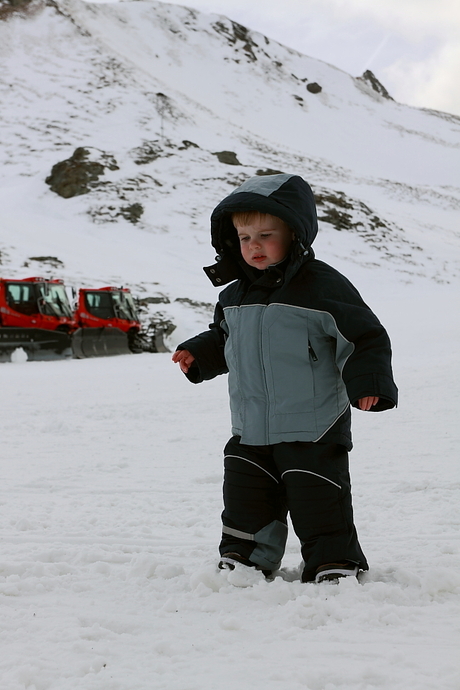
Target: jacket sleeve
[[367, 369], [208, 350]]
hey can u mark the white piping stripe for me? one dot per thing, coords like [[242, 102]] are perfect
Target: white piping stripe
[[252, 463], [316, 475], [238, 533], [332, 424]]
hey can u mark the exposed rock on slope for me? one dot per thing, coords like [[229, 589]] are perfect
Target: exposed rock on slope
[[80, 173], [370, 78]]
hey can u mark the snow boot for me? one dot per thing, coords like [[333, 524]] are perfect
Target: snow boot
[[331, 572], [229, 560]]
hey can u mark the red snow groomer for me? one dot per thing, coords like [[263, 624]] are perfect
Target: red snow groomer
[[35, 314], [108, 323]]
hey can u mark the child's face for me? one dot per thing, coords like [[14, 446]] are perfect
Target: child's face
[[265, 242]]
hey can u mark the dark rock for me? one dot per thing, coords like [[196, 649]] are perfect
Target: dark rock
[[148, 152], [238, 32], [370, 78], [333, 201], [206, 306], [269, 171], [339, 219], [227, 157], [10, 7], [51, 260], [314, 87], [79, 174], [161, 299], [186, 144], [336, 198], [132, 213]]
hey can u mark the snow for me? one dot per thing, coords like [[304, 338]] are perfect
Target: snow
[[110, 521], [111, 469]]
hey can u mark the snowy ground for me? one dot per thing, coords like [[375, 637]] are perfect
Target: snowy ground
[[110, 518]]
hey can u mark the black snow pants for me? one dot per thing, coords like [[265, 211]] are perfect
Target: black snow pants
[[311, 481]]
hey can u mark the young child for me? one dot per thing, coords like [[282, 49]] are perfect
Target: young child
[[299, 346]]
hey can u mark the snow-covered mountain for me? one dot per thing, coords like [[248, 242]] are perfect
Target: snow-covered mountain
[[176, 108]]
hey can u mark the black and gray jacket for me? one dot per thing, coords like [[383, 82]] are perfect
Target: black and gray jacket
[[298, 342]]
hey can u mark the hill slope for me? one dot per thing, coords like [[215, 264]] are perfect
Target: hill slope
[[185, 106]]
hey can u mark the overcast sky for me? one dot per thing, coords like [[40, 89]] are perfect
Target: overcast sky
[[413, 46]]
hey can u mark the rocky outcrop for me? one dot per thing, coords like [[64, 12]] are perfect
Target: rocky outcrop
[[370, 78], [9, 8], [80, 173], [227, 157]]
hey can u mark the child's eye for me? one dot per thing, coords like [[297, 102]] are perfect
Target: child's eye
[[265, 234], [244, 239]]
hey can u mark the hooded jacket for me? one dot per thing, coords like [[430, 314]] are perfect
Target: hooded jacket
[[297, 340]]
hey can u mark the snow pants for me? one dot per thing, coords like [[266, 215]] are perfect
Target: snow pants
[[311, 482]]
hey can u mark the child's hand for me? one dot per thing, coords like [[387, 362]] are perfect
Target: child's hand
[[366, 403], [184, 358]]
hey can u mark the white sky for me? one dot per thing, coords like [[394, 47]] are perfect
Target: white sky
[[413, 46]]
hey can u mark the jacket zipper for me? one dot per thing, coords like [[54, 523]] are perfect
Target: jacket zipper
[[312, 352], [267, 413]]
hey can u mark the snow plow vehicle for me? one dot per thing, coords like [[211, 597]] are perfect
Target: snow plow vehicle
[[36, 315], [108, 323]]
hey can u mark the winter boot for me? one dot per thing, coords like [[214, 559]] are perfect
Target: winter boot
[[332, 571], [229, 560]]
